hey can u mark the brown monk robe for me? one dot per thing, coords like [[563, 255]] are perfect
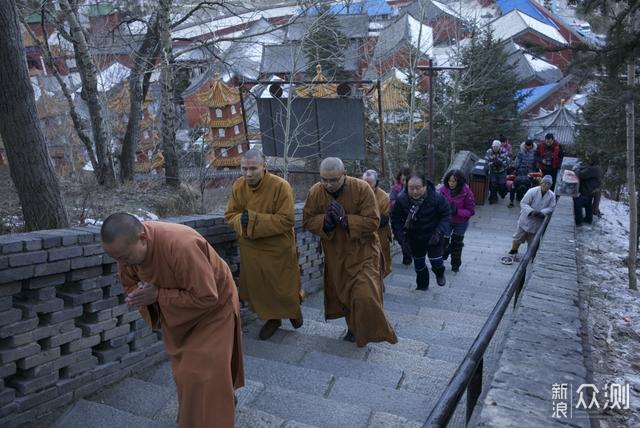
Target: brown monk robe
[[269, 271], [384, 231], [181, 285], [343, 212]]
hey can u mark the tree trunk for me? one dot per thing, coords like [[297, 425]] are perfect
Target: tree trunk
[[89, 76], [631, 178], [144, 61], [31, 168], [167, 103]]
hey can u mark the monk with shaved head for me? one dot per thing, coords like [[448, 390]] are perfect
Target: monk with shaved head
[[384, 231], [343, 212], [261, 212], [181, 286]]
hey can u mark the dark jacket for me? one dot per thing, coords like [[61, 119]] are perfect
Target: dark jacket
[[434, 214], [590, 179]]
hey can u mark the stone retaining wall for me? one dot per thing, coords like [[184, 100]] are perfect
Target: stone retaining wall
[[65, 331], [544, 345]]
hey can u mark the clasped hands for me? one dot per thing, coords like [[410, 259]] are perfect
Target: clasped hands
[[146, 294], [334, 216], [536, 213]]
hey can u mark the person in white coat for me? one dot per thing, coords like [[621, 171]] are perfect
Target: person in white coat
[[537, 203]]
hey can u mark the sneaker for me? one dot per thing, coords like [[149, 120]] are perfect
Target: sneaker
[[297, 322], [510, 204], [455, 268], [269, 328], [441, 280]]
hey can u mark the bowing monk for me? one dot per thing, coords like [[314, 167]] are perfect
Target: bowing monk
[[384, 231], [260, 210], [343, 212], [181, 285]]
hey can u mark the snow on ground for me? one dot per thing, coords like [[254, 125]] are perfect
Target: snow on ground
[[613, 311]]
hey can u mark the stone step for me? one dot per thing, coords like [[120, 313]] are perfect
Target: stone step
[[287, 376], [159, 374], [135, 396], [86, 413], [370, 372], [378, 398], [386, 420], [311, 409]]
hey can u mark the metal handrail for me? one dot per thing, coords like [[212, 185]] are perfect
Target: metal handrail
[[469, 373]]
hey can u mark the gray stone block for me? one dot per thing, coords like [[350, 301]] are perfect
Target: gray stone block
[[4, 262], [100, 305], [75, 299], [61, 339], [51, 268], [85, 262], [272, 351], [29, 401], [92, 250], [144, 342], [312, 409], [30, 258], [9, 247], [34, 308], [7, 370], [18, 327], [44, 281], [10, 316], [7, 395], [15, 274], [387, 420], [413, 363], [247, 417], [378, 374], [286, 376], [46, 293], [63, 315], [82, 343], [66, 360], [64, 253], [85, 273], [27, 386], [65, 386], [100, 316], [44, 356], [79, 367], [111, 354]]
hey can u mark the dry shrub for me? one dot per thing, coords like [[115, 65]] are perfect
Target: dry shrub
[[184, 200]]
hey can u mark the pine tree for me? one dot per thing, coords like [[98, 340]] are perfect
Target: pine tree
[[487, 104], [325, 44]]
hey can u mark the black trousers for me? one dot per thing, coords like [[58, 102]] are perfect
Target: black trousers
[[583, 203]]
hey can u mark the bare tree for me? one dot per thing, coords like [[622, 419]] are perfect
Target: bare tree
[[31, 168]]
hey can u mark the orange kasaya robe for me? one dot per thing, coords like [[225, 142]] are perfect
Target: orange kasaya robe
[[352, 281], [269, 270], [199, 313], [384, 232]]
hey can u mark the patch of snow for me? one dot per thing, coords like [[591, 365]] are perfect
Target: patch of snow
[[87, 167], [92, 222], [538, 64], [421, 35], [55, 39], [514, 22], [472, 11], [112, 75], [613, 310]]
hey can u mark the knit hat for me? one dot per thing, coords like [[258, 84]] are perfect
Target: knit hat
[[495, 144], [547, 179], [528, 142]]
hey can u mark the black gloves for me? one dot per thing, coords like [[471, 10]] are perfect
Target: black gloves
[[436, 237], [339, 214], [454, 208], [497, 164], [329, 223], [244, 218], [384, 220]]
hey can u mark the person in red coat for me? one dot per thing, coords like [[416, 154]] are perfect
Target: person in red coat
[[550, 154]]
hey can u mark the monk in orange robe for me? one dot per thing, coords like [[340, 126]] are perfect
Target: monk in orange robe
[[343, 212], [384, 231], [181, 285], [261, 212]]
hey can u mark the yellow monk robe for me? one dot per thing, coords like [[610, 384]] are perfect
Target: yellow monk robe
[[384, 232], [199, 313], [352, 281], [269, 271]]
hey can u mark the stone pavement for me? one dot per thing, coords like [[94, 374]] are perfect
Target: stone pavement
[[310, 377]]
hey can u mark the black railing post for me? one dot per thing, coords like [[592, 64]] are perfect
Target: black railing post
[[519, 287], [474, 389]]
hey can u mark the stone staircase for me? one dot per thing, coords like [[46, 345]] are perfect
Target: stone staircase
[[310, 377]]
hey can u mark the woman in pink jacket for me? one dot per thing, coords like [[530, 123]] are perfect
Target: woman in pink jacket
[[462, 203]]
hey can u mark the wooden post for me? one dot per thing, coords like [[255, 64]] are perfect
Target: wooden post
[[383, 170]]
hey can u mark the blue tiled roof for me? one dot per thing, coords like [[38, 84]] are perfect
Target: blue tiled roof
[[533, 95], [524, 6], [370, 7]]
